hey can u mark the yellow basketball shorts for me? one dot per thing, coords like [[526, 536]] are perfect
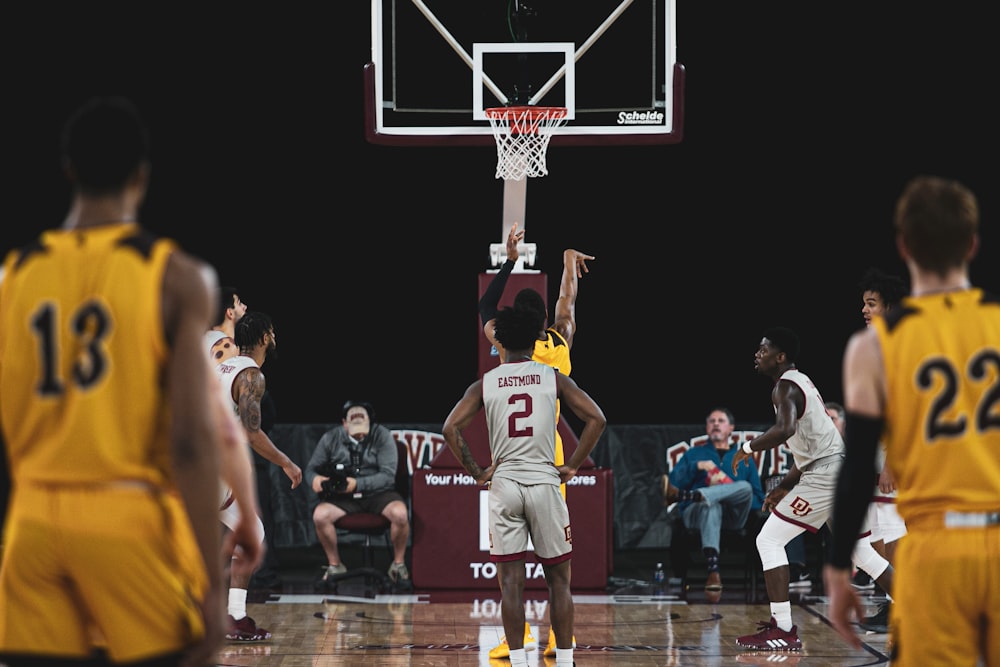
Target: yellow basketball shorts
[[946, 595], [110, 567]]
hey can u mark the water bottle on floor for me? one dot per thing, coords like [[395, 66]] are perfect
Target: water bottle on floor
[[659, 578]]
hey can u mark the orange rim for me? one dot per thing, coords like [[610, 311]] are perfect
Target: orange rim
[[535, 113]]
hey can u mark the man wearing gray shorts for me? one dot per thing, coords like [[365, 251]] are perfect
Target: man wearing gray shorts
[[804, 499], [519, 397]]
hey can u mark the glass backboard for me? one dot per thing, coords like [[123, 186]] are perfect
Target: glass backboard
[[437, 64]]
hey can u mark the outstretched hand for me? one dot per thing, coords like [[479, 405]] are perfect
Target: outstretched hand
[[513, 238], [578, 260]]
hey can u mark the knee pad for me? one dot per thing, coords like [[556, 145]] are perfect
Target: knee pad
[[866, 558], [771, 542]]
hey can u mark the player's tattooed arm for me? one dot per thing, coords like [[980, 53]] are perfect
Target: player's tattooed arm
[[250, 387], [461, 416], [468, 461]]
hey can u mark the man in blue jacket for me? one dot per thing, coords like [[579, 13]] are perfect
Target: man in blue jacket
[[711, 497]]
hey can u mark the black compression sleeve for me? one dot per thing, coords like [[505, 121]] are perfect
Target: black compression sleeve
[[855, 486], [491, 297]]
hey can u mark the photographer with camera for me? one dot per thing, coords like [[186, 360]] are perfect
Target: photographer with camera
[[353, 469]]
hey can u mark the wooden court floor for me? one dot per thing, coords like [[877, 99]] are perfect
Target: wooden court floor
[[629, 624]]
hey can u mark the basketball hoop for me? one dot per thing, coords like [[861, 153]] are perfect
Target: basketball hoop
[[523, 135]]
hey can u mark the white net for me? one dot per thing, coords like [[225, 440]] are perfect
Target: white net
[[522, 135]]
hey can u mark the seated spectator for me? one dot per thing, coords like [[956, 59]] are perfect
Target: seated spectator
[[353, 469], [710, 497]]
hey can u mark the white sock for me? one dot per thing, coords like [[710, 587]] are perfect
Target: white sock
[[782, 612], [237, 603], [564, 656], [518, 658]]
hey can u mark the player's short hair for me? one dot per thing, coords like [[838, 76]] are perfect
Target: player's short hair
[[516, 328], [251, 329], [227, 297], [785, 340], [937, 219], [103, 143], [891, 288]]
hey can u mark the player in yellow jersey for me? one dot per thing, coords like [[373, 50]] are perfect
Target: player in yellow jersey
[[924, 379], [552, 349], [112, 425]]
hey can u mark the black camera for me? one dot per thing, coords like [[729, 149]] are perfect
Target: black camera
[[336, 485]]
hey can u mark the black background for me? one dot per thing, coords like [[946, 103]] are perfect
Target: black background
[[803, 122]]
